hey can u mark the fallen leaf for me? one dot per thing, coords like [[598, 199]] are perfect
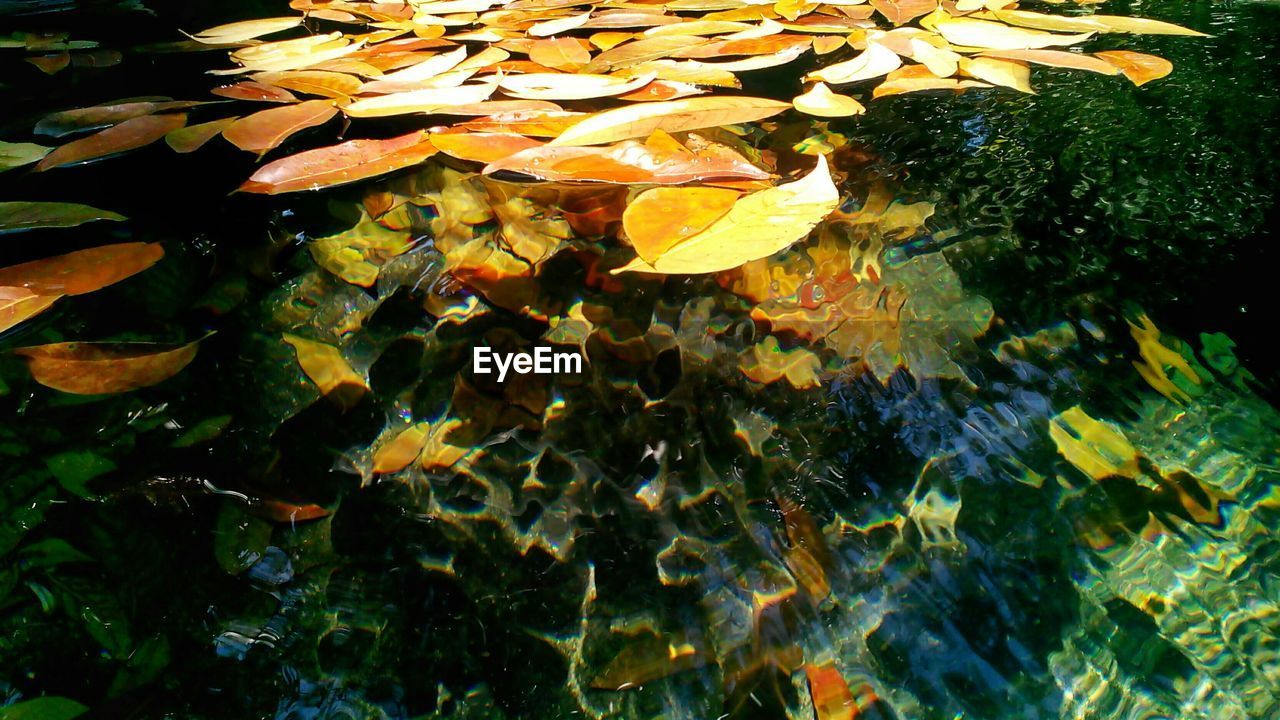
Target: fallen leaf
[[313, 82], [766, 362], [674, 116], [427, 101], [267, 129], [15, 155], [254, 91], [569, 86], [757, 226], [968, 32], [873, 62], [101, 116], [246, 30], [999, 71], [82, 271], [660, 218], [628, 162], [86, 368], [356, 255], [17, 305], [832, 698], [917, 78], [128, 135], [900, 12], [347, 162], [398, 453], [24, 215], [481, 147], [1140, 68], [193, 137], [821, 102], [568, 54], [325, 366], [1057, 58]]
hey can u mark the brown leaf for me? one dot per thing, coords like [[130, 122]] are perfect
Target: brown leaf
[[85, 368], [267, 129], [82, 271], [193, 137], [128, 135], [256, 92], [101, 116], [340, 164]]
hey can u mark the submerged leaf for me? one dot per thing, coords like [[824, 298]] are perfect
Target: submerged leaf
[[662, 217], [630, 162], [86, 368], [766, 362], [24, 215], [325, 366]]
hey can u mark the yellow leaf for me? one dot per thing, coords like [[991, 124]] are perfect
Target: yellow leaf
[[325, 366], [427, 101], [995, 36], [672, 116], [660, 218], [875, 61], [757, 226], [821, 102], [356, 255], [1092, 23], [247, 30], [766, 362], [940, 61], [1057, 58], [1140, 68], [997, 71], [917, 78], [569, 86], [1097, 449], [556, 26], [401, 450]]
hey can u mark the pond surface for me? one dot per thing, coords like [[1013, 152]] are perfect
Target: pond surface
[[1064, 507]]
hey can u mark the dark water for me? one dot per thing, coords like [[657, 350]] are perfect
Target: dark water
[[969, 567]]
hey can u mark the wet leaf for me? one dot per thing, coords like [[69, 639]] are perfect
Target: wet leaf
[[128, 135], [569, 86], [660, 218], [630, 162], [968, 32], [1140, 68], [313, 82], [246, 30], [101, 116], [267, 129], [87, 368], [998, 71], [674, 116], [875, 61], [401, 450], [757, 226], [15, 155], [17, 305], [766, 362], [429, 101], [357, 254], [481, 147], [325, 366], [1057, 58], [193, 137], [340, 164], [917, 78], [900, 12], [25, 215], [75, 469], [254, 91], [832, 698], [82, 271], [821, 102]]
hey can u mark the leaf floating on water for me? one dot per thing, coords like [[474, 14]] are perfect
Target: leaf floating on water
[[128, 135], [659, 218], [1057, 58], [821, 102], [967, 32], [757, 226], [102, 116], [899, 12], [193, 137], [340, 164], [875, 61], [998, 71], [267, 129], [635, 121], [1140, 68], [325, 366], [569, 86], [255, 92], [82, 271], [630, 162], [25, 215], [17, 305], [246, 30], [87, 368], [429, 101], [917, 78], [766, 362], [481, 147], [324, 83], [15, 155]]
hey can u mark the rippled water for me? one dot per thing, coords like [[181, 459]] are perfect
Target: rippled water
[[1072, 516]]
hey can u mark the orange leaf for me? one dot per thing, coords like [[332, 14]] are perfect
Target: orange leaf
[[313, 82], [536, 123], [82, 271], [481, 147], [325, 366], [628, 162], [832, 698], [128, 135], [17, 305], [284, 512], [569, 54], [899, 12], [340, 164], [83, 368], [1140, 68], [255, 91], [267, 129], [659, 218]]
